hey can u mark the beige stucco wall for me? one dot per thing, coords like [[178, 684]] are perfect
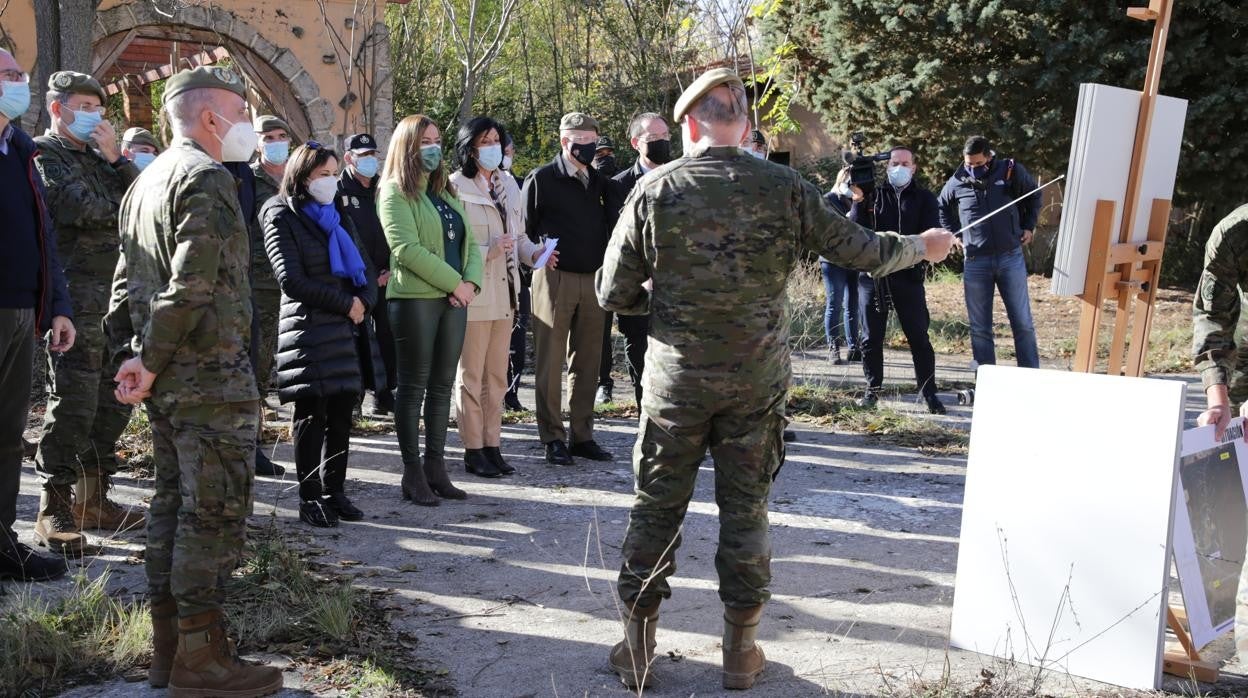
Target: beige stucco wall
[[289, 36]]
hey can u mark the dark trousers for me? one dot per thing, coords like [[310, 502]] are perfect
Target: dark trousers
[[636, 331], [428, 337], [17, 351], [385, 337], [903, 292], [322, 422], [519, 336]]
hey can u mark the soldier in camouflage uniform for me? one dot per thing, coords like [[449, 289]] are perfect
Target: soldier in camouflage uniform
[[268, 170], [85, 176], [182, 298], [715, 235], [1223, 369]]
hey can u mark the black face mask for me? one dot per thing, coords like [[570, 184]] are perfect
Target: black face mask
[[659, 152], [583, 152], [606, 161]]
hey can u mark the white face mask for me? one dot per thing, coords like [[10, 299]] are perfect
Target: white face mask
[[507, 162], [323, 189], [239, 142]]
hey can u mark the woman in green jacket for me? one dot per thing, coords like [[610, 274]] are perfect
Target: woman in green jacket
[[435, 273]]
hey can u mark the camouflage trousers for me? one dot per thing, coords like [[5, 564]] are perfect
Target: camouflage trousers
[[268, 305], [83, 420], [198, 517], [745, 438]]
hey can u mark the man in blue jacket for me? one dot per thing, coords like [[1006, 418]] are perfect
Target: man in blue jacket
[[906, 206], [994, 255], [33, 299]]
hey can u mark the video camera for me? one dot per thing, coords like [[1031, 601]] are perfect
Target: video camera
[[861, 165]]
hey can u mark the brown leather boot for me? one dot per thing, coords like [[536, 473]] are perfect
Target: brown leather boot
[[743, 659], [93, 508], [55, 527], [164, 642], [632, 657], [439, 481], [207, 664]]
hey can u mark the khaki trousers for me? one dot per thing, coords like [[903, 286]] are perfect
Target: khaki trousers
[[567, 323], [481, 382]]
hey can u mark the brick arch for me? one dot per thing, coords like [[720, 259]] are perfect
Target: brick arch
[[273, 71]]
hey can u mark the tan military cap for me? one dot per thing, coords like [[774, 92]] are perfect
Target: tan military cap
[[268, 122], [76, 83], [139, 136], [705, 83], [576, 121], [204, 77]]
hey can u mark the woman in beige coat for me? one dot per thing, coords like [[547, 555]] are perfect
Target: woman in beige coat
[[496, 217]]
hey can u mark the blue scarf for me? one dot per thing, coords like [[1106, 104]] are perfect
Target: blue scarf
[[344, 258]]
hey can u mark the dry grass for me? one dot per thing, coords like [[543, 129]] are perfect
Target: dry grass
[[836, 408]]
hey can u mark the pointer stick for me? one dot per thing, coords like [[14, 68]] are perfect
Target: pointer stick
[[1024, 196]]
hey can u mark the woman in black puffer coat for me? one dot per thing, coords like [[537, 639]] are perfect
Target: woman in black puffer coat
[[326, 352]]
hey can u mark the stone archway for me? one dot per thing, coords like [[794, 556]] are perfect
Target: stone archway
[[274, 73]]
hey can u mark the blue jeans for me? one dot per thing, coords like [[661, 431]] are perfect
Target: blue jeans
[[1008, 273], [840, 312]]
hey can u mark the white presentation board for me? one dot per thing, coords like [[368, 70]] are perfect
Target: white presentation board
[[1211, 527], [1100, 161], [1065, 545]]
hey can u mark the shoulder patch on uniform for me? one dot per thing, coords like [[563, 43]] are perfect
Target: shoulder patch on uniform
[[51, 170]]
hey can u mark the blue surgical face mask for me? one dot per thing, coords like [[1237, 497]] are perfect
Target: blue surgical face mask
[[899, 176], [84, 123], [142, 160], [366, 166], [276, 152], [431, 157], [490, 157], [15, 100]]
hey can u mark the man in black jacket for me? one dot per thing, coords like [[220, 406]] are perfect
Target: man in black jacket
[[357, 188], [33, 298], [651, 137], [570, 201], [903, 205]]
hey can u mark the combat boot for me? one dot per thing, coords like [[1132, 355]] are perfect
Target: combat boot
[[631, 658], [206, 663], [164, 642], [93, 509], [55, 527], [743, 659]]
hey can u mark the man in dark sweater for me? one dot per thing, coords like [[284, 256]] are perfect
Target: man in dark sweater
[[357, 188], [33, 298], [570, 201]]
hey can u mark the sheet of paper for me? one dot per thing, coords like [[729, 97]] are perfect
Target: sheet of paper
[[549, 248]]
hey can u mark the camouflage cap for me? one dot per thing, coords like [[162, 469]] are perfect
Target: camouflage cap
[[139, 136], [204, 77], [705, 83], [576, 121], [76, 83], [268, 122]]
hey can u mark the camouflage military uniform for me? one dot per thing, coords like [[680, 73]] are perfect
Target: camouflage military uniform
[[83, 419], [184, 264], [1222, 290], [267, 294], [719, 232]]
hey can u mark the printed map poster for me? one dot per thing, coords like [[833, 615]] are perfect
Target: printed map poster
[[1211, 527]]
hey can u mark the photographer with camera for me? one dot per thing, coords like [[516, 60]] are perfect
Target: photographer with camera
[[903, 205]]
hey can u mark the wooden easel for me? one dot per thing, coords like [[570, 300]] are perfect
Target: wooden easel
[[1128, 273]]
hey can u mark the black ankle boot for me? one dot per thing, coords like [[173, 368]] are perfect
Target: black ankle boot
[[476, 462], [439, 481], [495, 456], [416, 488]]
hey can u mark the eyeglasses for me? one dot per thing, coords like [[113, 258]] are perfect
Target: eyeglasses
[[14, 76]]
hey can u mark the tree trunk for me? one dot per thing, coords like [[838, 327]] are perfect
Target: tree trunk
[[63, 32]]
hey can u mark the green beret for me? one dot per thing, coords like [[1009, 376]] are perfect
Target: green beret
[[204, 77], [139, 136], [576, 121], [705, 83], [76, 83], [268, 122]]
